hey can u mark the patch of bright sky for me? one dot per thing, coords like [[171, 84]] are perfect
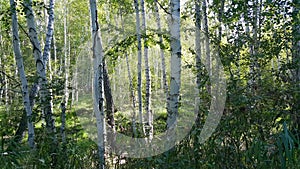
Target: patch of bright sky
[[182, 2]]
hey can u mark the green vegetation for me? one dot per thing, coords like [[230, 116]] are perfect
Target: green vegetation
[[257, 42]]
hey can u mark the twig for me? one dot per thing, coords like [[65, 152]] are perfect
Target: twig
[[160, 5]]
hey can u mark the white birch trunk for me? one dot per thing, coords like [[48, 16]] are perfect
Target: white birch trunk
[[50, 30], [162, 54], [198, 42], [175, 79], [98, 82], [41, 68], [198, 51], [48, 41], [54, 53], [139, 66], [64, 103], [20, 66], [66, 57], [148, 110]]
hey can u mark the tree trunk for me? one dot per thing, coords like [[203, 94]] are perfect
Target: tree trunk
[[255, 45], [41, 69], [66, 62], [162, 54], [207, 42], [22, 124], [198, 42], [50, 30], [35, 87], [64, 103], [147, 75], [175, 79], [139, 66], [54, 53], [20, 66], [198, 51], [98, 82]]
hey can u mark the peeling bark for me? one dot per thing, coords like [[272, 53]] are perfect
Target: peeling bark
[[98, 82]]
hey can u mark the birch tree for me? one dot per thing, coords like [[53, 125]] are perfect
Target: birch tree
[[98, 82], [175, 78], [66, 56], [162, 54], [147, 75], [50, 30], [20, 67], [198, 51], [41, 68], [48, 41], [139, 66], [64, 103]]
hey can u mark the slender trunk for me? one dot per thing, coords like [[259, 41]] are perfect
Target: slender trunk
[[147, 75], [139, 66], [198, 42], [207, 41], [198, 51], [41, 69], [6, 95], [54, 53], [20, 66], [238, 50], [48, 41], [98, 82], [219, 39], [175, 79], [50, 30], [162, 54], [255, 45], [64, 103], [66, 63], [252, 45], [22, 124], [75, 85]]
